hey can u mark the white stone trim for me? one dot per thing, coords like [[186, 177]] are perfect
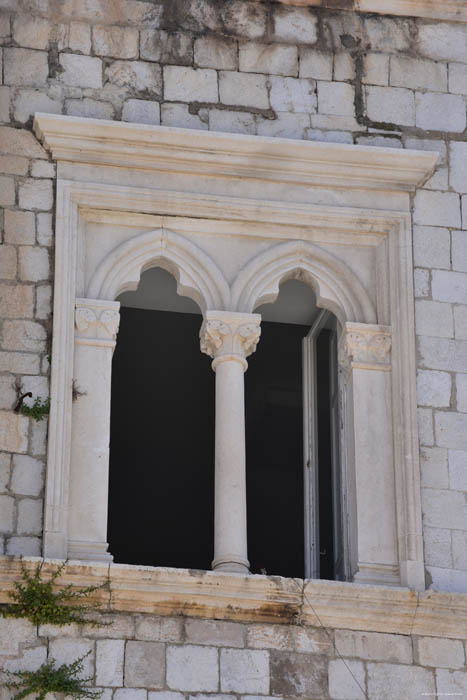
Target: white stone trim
[[386, 230], [451, 10]]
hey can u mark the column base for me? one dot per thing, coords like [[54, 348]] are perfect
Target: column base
[[89, 551], [379, 574], [232, 564]]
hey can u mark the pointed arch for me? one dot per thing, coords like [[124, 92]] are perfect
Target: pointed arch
[[198, 277], [337, 288]]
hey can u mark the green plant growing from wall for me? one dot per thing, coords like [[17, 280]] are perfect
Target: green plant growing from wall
[[35, 599], [51, 679], [39, 409]]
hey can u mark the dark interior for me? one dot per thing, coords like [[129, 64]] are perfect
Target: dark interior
[[161, 503]]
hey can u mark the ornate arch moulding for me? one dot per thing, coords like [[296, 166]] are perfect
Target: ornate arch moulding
[[231, 217]]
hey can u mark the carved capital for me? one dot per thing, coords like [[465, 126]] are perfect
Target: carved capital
[[365, 346], [96, 322], [230, 335]]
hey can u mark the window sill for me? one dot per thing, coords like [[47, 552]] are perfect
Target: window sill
[[254, 598]]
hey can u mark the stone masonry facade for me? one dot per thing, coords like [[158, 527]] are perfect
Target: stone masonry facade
[[143, 657], [248, 67]]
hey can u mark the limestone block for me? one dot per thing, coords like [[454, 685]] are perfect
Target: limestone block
[[7, 191], [293, 94], [192, 668], [41, 168], [421, 283], [7, 400], [23, 335], [460, 322], [442, 353], [286, 125], [231, 121], [447, 580], [213, 52], [167, 47], [449, 286], [141, 112], [246, 20], [144, 665], [215, 633], [4, 104], [418, 74], [444, 509], [171, 695], [7, 513], [457, 469], [458, 167], [459, 251], [25, 67], [14, 632], [7, 266], [443, 41], [374, 646], [36, 194], [390, 105], [75, 36], [384, 141], [19, 363], [298, 675], [243, 89], [434, 467], [30, 516], [31, 32], [431, 247], [451, 683], [44, 229], [437, 209], [190, 84], [443, 112], [375, 69], [15, 301], [315, 64], [161, 629], [457, 78], [173, 114], [118, 42], [33, 263], [81, 71], [344, 686], [336, 98], [24, 546], [244, 671], [391, 681], [280, 637], [130, 694], [344, 66], [425, 426], [109, 662], [27, 477], [66, 650], [5, 28], [43, 301], [309, 640], [461, 393], [38, 444], [441, 653], [95, 109], [295, 25], [14, 165], [273, 58], [437, 546], [13, 432], [69, 630], [118, 627], [434, 318], [459, 547], [390, 35], [20, 142], [30, 660]]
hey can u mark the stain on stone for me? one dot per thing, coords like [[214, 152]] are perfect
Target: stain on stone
[[54, 64], [298, 675], [340, 4], [349, 42]]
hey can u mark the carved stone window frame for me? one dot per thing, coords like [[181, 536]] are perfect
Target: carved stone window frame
[[366, 193]]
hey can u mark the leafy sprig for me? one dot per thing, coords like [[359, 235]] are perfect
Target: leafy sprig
[[39, 409]]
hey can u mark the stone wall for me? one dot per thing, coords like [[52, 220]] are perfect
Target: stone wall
[[249, 67], [143, 657]]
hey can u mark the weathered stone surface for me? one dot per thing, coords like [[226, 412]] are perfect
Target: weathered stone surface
[[231, 121], [431, 247], [4, 104], [375, 69], [167, 47], [93, 109], [215, 633], [25, 67], [433, 388], [459, 251], [14, 632], [33, 263], [20, 142], [374, 646], [213, 52], [23, 335], [293, 94], [141, 112], [390, 105], [41, 168], [460, 322], [442, 112], [144, 665], [246, 20], [315, 64], [295, 25], [44, 229], [175, 114], [16, 301], [272, 58], [418, 74], [244, 671], [441, 653], [336, 98], [457, 78], [421, 283], [117, 627], [65, 651], [459, 547], [30, 516], [7, 191], [7, 512], [7, 266], [438, 548], [437, 209], [298, 675], [190, 84], [159, 629], [36, 194], [391, 681], [192, 668], [443, 41], [434, 467], [75, 36], [13, 432], [31, 32], [19, 363], [109, 662], [442, 353], [14, 165], [243, 89], [457, 470], [445, 509], [118, 42], [20, 227], [81, 71], [7, 400], [24, 546], [449, 286], [346, 680], [286, 125], [27, 477]]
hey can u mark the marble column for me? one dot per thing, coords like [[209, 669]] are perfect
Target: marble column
[[96, 326], [365, 356], [229, 338]]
